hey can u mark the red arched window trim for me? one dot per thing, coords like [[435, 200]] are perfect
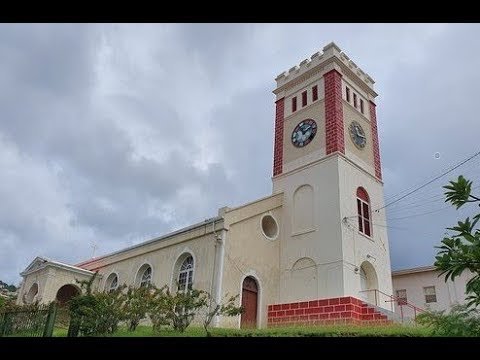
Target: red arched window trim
[[362, 194], [363, 211]]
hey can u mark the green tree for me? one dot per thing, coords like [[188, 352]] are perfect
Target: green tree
[[81, 308], [136, 305], [95, 313], [225, 308], [176, 309], [8, 287], [108, 310], [461, 251]]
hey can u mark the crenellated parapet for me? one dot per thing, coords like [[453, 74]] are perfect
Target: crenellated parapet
[[319, 59]]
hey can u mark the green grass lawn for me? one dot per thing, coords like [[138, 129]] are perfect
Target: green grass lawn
[[337, 330]]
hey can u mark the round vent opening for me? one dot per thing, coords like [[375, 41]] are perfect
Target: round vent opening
[[269, 227]]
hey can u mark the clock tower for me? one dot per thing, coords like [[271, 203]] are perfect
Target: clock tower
[[327, 164]]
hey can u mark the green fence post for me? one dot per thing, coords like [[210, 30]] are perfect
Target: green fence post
[[6, 327], [49, 324], [2, 323], [74, 327]]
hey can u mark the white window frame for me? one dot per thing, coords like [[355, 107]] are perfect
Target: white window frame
[[185, 274], [113, 284], [363, 218], [401, 300], [146, 279], [434, 294]]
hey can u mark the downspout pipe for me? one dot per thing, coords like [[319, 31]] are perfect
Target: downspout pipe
[[219, 261]]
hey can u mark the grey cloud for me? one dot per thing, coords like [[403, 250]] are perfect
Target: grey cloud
[[110, 153], [50, 57]]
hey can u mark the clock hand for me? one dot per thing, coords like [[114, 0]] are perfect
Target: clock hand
[[358, 133]]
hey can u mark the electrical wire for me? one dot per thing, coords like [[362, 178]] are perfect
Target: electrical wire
[[475, 164], [467, 167], [429, 182], [419, 204], [234, 263], [435, 193], [421, 214]]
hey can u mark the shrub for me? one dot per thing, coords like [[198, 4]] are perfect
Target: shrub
[[108, 309], [461, 321], [137, 302], [225, 308], [94, 314], [176, 309]]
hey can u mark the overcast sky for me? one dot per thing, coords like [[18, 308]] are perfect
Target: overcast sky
[[114, 134]]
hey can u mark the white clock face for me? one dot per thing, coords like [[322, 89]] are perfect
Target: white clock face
[[357, 135]]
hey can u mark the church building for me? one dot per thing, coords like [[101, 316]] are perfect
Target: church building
[[313, 250]]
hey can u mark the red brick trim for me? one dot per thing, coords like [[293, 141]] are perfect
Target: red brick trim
[[376, 147], [343, 310], [334, 129], [278, 143]]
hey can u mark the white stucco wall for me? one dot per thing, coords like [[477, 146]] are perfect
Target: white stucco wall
[[358, 248], [249, 253], [448, 293], [49, 280], [321, 243], [162, 256], [296, 91]]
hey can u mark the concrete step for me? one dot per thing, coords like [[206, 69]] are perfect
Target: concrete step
[[390, 314]]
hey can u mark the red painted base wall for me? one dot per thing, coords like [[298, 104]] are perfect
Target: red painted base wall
[[325, 311]]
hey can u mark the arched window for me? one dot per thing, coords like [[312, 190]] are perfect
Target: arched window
[[112, 283], [31, 296], [145, 275], [363, 210], [185, 275]]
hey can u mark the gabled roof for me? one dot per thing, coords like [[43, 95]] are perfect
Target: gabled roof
[[157, 239], [40, 263], [413, 270]]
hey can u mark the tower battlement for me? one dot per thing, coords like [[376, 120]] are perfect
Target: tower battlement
[[329, 51]]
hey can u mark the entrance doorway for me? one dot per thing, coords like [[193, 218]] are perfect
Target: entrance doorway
[[368, 283], [249, 303], [65, 293]]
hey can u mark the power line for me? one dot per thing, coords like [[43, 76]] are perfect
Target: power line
[[414, 231], [419, 202], [465, 171], [429, 182], [390, 227], [421, 214], [422, 199], [391, 197], [397, 212], [234, 263], [416, 205]]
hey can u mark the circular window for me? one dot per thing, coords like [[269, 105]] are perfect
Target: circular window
[[269, 227]]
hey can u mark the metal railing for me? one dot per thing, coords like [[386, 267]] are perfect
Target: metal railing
[[378, 296], [30, 321]]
